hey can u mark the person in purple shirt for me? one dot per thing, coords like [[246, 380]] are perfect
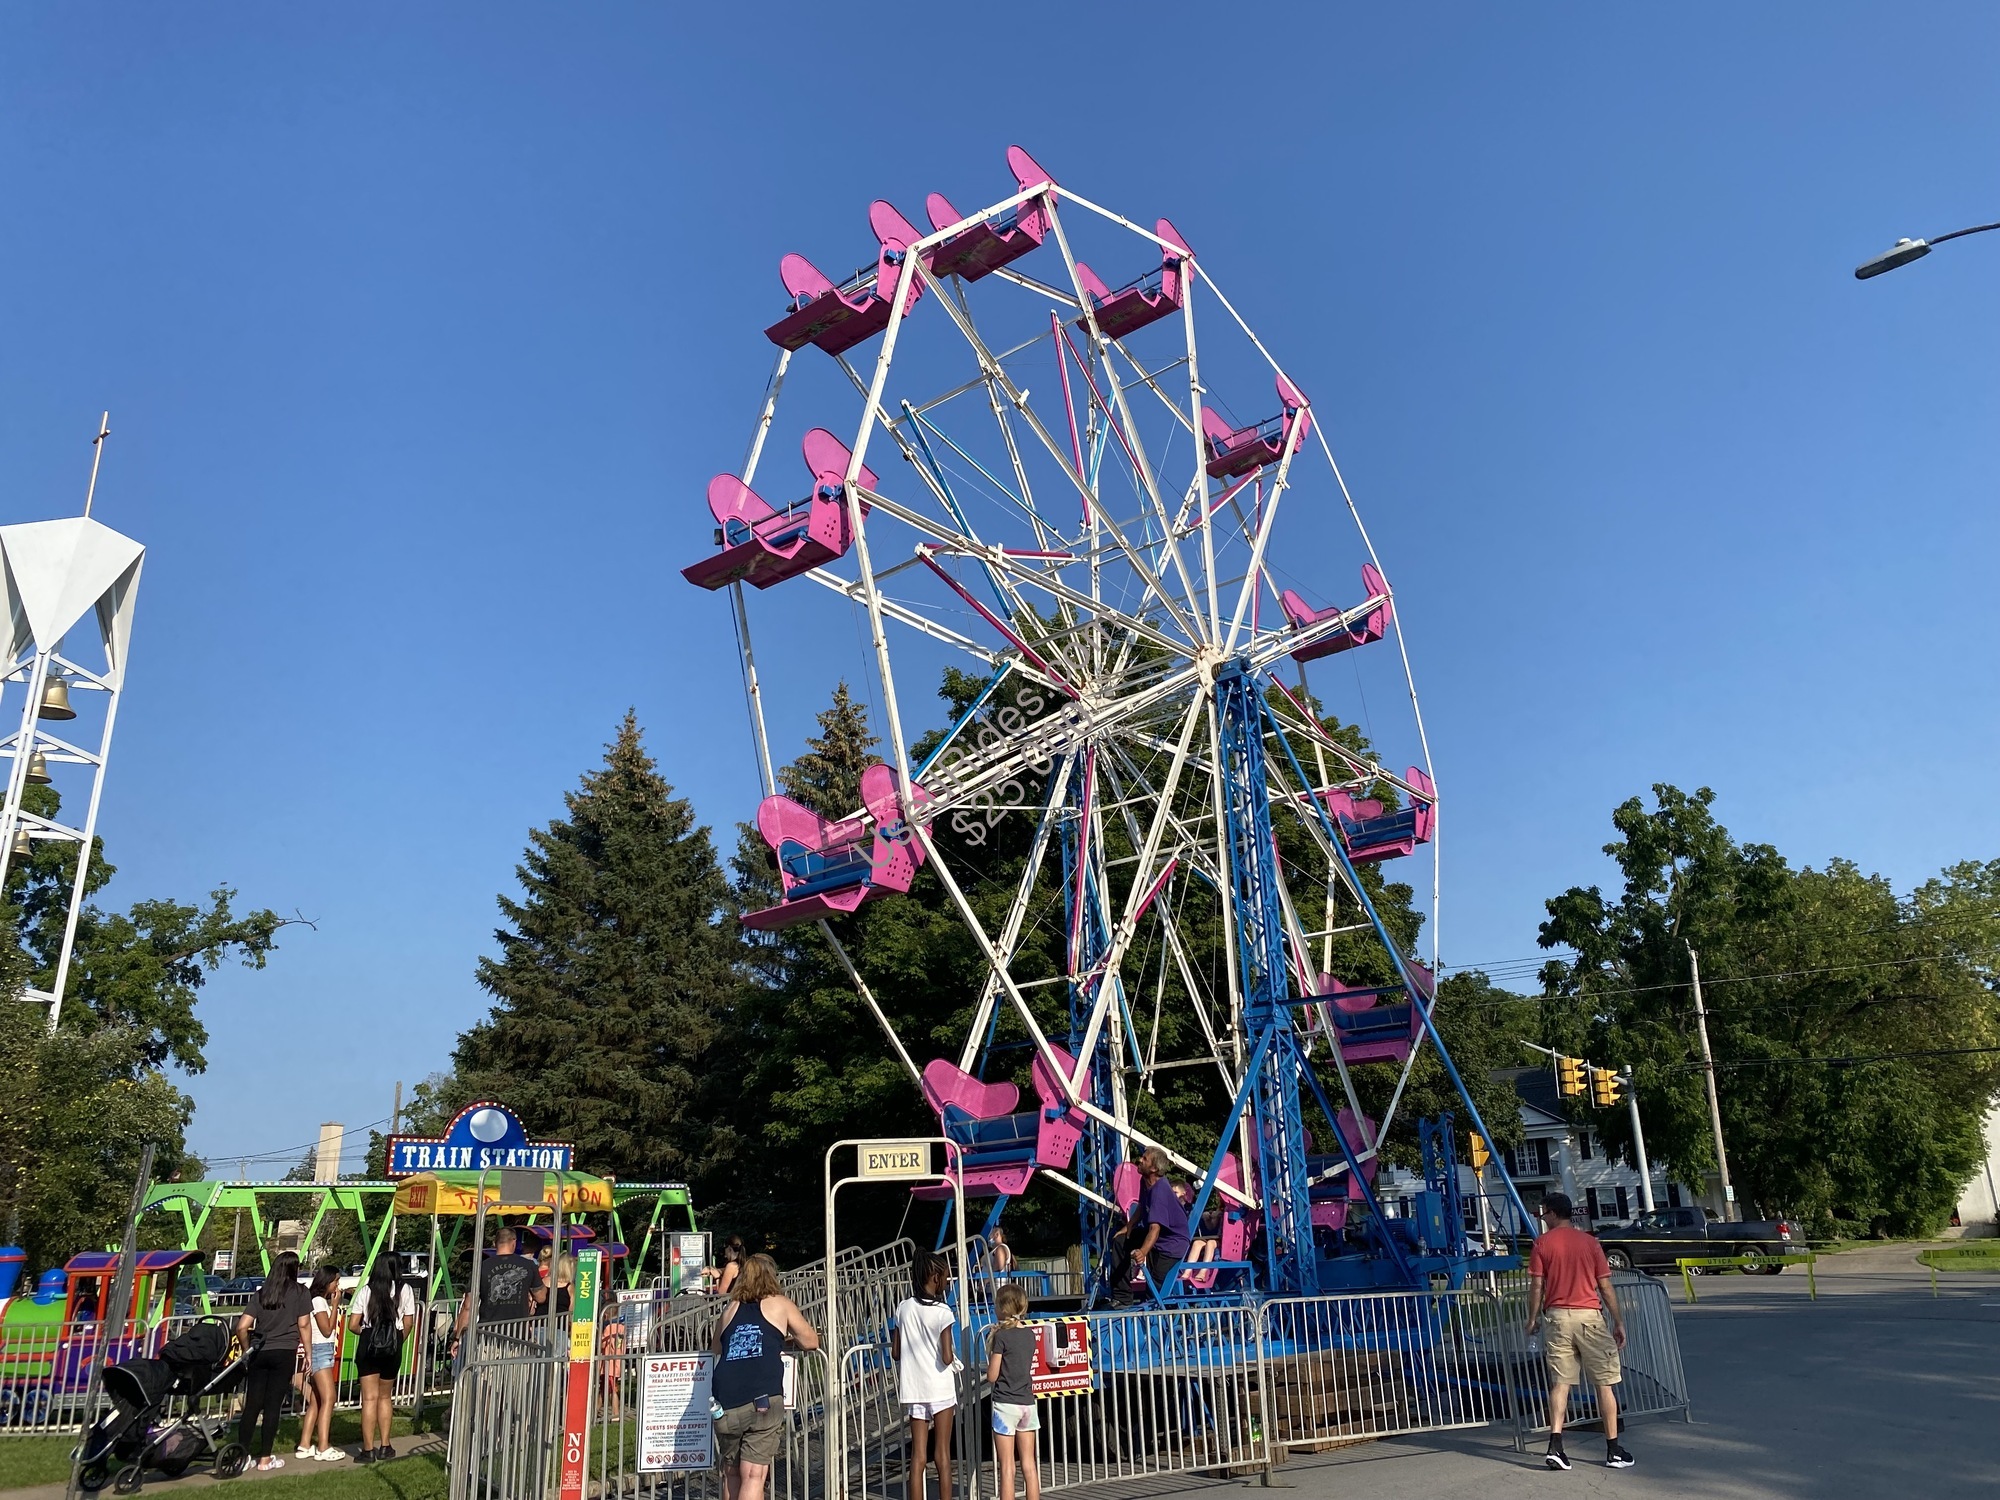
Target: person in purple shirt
[[1158, 1233]]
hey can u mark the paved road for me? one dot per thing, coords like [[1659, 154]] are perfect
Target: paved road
[[1874, 1391]]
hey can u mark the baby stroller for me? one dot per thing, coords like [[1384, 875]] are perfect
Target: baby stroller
[[194, 1363]]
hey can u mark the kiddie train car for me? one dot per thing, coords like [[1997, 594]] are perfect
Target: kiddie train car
[[49, 1338]]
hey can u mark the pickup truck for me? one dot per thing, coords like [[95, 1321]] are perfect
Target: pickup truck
[[1654, 1241]]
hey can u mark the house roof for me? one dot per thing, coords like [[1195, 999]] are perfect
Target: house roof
[[1541, 1105]]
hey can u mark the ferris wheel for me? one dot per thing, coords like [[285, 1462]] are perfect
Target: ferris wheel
[[1024, 461]]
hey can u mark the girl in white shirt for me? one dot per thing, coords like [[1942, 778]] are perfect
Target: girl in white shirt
[[323, 1324], [924, 1345]]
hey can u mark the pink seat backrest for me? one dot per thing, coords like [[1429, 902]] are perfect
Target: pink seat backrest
[[1373, 585], [1027, 171], [780, 818], [1051, 1093], [1091, 283], [1213, 426], [802, 278], [1170, 282], [1425, 791], [730, 499], [946, 1083], [827, 458], [1296, 609], [892, 230], [1348, 1004], [1125, 1186], [942, 214], [1290, 398]]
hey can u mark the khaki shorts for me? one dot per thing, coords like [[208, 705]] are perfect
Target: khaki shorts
[[1577, 1335], [745, 1435]]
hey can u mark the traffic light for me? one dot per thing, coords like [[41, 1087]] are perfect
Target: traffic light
[[1569, 1076], [1604, 1087], [1480, 1154]]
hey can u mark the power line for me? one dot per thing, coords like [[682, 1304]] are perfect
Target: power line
[[1837, 1062], [284, 1152]]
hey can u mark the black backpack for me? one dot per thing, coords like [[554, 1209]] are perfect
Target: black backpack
[[383, 1340]]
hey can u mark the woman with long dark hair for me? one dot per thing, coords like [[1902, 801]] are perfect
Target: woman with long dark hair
[[278, 1316], [733, 1256], [323, 1331], [384, 1313]]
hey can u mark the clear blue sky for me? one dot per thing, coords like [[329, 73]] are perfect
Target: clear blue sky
[[422, 330]]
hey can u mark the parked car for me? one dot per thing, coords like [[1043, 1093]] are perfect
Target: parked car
[[1654, 1241]]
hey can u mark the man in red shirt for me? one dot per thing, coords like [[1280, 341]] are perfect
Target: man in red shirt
[[1569, 1276]]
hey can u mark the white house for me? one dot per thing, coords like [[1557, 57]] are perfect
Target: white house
[[1978, 1203], [1556, 1157]]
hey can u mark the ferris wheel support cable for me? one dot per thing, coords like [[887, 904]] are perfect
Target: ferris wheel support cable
[[1010, 931], [1123, 933], [753, 690], [1042, 1046], [1027, 652], [1018, 399], [1416, 707], [1044, 534], [868, 996], [1129, 436], [1265, 523], [850, 589]]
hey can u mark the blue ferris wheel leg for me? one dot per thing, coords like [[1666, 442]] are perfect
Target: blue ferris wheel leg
[[1395, 956]]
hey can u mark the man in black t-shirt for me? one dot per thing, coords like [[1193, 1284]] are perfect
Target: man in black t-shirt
[[510, 1286]]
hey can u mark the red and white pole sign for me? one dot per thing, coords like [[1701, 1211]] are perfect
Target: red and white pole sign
[[576, 1391]]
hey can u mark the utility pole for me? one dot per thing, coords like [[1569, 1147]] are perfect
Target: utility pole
[[236, 1235], [1708, 1077], [1639, 1145]]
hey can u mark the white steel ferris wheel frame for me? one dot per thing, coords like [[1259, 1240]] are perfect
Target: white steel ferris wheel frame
[[1200, 627]]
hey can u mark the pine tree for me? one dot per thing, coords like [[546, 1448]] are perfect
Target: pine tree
[[615, 970]]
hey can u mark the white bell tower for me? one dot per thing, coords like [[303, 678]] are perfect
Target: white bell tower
[[52, 575]]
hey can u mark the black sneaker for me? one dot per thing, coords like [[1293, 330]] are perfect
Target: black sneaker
[[365, 1456], [1555, 1458], [1616, 1457]]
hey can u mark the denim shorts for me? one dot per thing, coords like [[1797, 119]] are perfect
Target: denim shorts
[[322, 1355]]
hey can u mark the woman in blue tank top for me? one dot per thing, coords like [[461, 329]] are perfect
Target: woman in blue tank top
[[750, 1376]]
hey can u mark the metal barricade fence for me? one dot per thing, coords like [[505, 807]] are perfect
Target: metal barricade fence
[[1653, 1382], [1224, 1389], [1340, 1369]]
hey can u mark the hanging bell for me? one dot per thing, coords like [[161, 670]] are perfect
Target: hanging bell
[[38, 769], [55, 700], [23, 847]]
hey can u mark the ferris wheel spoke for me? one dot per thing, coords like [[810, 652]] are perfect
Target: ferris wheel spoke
[[1127, 429], [903, 615], [1147, 879], [1017, 399]]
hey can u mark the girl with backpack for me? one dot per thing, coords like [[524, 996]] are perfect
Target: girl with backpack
[[385, 1311]]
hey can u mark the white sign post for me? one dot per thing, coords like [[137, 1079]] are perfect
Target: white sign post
[[676, 1431]]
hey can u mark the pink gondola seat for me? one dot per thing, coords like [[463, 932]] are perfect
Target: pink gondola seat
[[828, 869], [1233, 452], [1375, 1023], [762, 545], [1001, 1148], [1370, 627], [985, 247], [1145, 299], [836, 318], [1369, 833]]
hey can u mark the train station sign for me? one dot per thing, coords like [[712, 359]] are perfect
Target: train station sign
[[484, 1137]]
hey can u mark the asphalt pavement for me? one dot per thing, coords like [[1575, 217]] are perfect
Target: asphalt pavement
[[1874, 1391]]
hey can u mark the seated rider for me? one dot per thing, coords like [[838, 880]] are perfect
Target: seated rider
[[1157, 1237]]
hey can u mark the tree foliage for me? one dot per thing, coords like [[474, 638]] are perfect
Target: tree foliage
[[614, 972], [81, 1103], [1844, 1019]]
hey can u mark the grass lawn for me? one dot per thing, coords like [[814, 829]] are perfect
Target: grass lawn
[[28, 1461]]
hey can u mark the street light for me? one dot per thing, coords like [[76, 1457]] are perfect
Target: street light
[[1904, 251]]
